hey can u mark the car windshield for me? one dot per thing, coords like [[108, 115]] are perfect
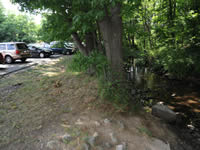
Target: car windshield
[[22, 46]]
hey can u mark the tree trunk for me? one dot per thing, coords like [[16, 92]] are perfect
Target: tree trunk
[[89, 41], [79, 44], [111, 29], [99, 40]]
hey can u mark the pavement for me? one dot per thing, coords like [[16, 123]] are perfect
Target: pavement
[[6, 69]]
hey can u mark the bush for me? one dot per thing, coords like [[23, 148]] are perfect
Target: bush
[[114, 92], [95, 60], [79, 63]]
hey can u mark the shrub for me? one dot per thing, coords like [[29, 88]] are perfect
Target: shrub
[[115, 92]]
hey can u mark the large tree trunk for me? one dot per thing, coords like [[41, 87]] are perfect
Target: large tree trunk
[[89, 43], [79, 44], [111, 29]]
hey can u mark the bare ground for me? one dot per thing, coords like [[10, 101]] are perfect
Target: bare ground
[[40, 105]]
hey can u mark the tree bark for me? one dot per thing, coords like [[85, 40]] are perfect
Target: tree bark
[[111, 29], [89, 41], [79, 44]]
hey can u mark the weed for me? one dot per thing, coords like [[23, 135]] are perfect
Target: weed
[[96, 64], [145, 131]]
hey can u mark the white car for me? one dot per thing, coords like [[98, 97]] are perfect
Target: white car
[[12, 51]]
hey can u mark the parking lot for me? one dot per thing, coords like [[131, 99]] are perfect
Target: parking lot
[[6, 69]]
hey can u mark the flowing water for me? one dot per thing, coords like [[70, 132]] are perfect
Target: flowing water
[[183, 97]]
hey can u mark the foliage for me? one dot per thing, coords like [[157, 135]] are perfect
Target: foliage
[[58, 44], [95, 61], [79, 63], [54, 28], [168, 31], [17, 28], [161, 34], [114, 92]]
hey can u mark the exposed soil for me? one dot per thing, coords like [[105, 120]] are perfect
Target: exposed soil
[[40, 105]]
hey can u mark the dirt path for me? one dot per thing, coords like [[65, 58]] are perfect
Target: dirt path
[[47, 108]]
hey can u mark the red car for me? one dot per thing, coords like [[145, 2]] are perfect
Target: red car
[[1, 59]]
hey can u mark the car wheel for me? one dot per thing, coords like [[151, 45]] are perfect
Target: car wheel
[[23, 59], [8, 59], [1, 58], [68, 53], [42, 55]]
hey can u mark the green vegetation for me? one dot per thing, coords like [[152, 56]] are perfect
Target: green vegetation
[[97, 65], [160, 34], [166, 34], [163, 35], [145, 131], [17, 28]]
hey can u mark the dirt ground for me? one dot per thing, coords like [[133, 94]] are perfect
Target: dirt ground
[[39, 106]]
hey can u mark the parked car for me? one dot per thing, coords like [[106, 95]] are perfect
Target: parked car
[[12, 51], [40, 52], [1, 59], [62, 48], [58, 50]]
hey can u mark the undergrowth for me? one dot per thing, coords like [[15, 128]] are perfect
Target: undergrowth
[[96, 64]]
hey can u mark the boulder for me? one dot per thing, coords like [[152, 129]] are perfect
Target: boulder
[[163, 112], [66, 138], [107, 121], [92, 139], [156, 144], [107, 145], [85, 147], [121, 147], [113, 138]]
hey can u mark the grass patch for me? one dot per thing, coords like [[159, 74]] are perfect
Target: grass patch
[[39, 99], [144, 130]]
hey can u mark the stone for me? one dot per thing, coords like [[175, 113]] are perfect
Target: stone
[[173, 95], [85, 147], [120, 147], [92, 140], [163, 112], [121, 124], [107, 145], [190, 126], [79, 122], [133, 92], [125, 145], [157, 144], [66, 138], [97, 123], [107, 121], [52, 144], [96, 134], [113, 138]]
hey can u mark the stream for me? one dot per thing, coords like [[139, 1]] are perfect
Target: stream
[[181, 96]]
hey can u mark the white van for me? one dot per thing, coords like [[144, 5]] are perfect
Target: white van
[[12, 51]]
